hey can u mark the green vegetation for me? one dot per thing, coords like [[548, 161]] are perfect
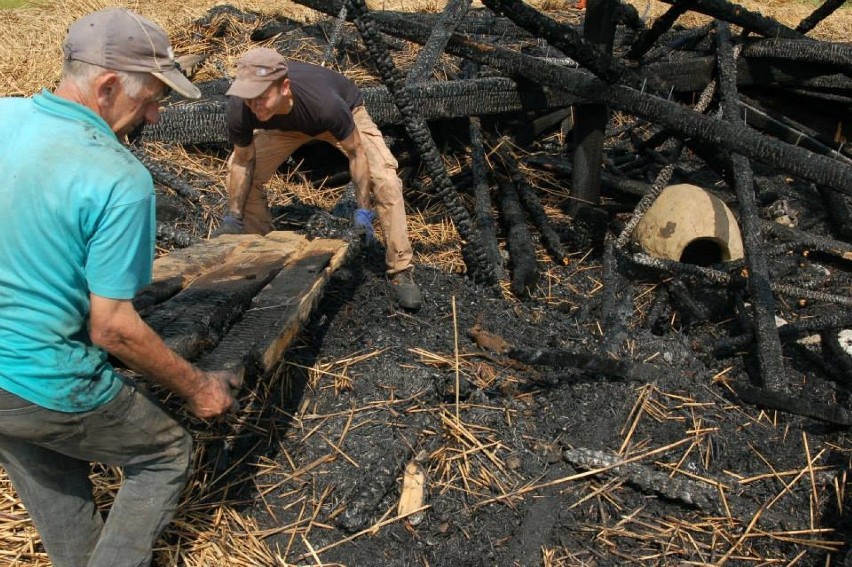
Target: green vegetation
[[10, 4]]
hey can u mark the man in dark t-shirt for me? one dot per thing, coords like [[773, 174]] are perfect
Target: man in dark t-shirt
[[276, 106]]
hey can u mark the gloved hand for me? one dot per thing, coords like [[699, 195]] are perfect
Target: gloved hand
[[364, 224], [230, 225]]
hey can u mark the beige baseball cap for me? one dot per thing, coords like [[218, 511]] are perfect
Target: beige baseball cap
[[256, 70], [122, 40]]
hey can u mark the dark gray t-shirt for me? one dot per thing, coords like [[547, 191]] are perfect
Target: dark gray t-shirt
[[322, 102]]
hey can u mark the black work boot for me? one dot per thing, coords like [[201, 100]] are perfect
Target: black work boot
[[406, 292]]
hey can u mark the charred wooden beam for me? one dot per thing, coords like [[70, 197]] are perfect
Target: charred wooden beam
[[811, 241], [617, 309], [522, 259], [763, 303], [162, 175], [661, 25], [605, 365], [794, 160], [746, 19], [721, 278], [822, 12], [454, 12], [789, 331], [802, 50], [690, 492], [684, 40], [474, 253], [786, 129], [178, 238], [798, 405], [591, 118], [203, 122], [690, 74], [590, 52], [482, 193], [533, 205]]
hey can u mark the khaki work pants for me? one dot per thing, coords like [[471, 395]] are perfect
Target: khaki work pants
[[273, 147]]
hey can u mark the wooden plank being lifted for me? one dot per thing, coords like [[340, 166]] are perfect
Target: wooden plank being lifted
[[277, 313], [222, 277]]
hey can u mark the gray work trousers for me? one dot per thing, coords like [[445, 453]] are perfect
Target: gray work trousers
[[47, 455]]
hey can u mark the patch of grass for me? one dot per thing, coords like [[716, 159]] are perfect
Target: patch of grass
[[11, 4]]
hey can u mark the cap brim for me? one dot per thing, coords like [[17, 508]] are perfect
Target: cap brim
[[179, 83], [247, 89]]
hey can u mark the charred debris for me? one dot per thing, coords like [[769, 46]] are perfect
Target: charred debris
[[609, 112]]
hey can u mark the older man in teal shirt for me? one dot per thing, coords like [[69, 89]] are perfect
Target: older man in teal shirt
[[76, 244]]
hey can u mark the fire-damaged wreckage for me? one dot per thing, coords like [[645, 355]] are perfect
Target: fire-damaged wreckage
[[725, 183]]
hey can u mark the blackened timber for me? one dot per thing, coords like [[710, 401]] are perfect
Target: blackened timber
[[590, 119], [617, 308], [483, 209], [660, 26], [763, 303], [822, 12], [274, 316], [199, 316], [592, 52], [803, 50], [746, 19], [204, 122], [604, 365], [786, 129], [473, 251], [533, 205], [525, 274], [693, 73], [812, 241], [798, 405], [722, 278], [477, 22], [789, 331], [684, 121], [454, 12]]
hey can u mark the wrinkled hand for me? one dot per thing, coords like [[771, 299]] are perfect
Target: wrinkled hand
[[363, 220], [230, 224], [216, 394]]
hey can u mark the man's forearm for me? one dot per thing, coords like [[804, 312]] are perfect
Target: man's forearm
[[359, 170], [127, 337], [239, 185]]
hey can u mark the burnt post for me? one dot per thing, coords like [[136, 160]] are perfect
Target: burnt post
[[590, 120]]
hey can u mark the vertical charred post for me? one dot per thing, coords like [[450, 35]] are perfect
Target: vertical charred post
[[590, 119], [763, 302]]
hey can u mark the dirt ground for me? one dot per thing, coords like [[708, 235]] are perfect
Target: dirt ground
[[533, 451], [709, 480]]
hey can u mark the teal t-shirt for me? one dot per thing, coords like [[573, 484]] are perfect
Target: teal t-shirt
[[77, 217]]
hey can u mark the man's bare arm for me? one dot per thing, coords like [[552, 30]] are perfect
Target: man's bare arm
[[359, 168], [240, 178], [118, 328]]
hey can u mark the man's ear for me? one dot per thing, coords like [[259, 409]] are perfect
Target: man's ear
[[105, 88], [284, 89]]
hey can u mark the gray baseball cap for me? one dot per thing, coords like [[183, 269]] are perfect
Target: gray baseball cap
[[122, 40], [256, 70]]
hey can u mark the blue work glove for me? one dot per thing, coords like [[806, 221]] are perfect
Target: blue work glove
[[364, 223], [230, 225]]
